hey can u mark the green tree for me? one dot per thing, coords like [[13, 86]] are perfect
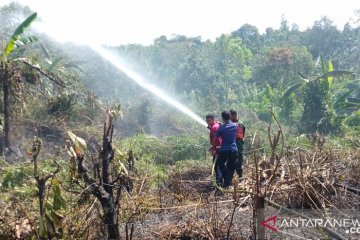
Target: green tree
[[278, 66], [318, 111], [323, 38], [249, 36]]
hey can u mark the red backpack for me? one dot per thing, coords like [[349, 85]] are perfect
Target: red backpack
[[240, 131]]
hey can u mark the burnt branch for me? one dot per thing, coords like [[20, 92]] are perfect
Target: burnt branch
[[37, 68], [103, 190]]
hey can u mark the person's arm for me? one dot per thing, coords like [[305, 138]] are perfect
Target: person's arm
[[219, 132]]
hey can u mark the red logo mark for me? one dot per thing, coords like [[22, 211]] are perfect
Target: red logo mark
[[271, 227]]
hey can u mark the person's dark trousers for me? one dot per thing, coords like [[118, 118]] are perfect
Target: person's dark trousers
[[227, 160], [240, 157], [218, 175]]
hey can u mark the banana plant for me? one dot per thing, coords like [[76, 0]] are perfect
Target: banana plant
[[7, 64], [347, 102], [14, 42], [326, 79], [316, 96]]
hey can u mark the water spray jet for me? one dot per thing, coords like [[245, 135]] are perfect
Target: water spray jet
[[118, 63]]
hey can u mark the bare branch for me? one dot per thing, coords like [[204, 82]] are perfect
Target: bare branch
[[50, 77]]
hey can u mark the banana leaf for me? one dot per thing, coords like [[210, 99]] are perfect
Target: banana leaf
[[19, 30], [336, 74], [338, 103], [77, 141], [290, 90]]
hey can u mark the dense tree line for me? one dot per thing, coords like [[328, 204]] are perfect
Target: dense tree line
[[252, 70], [245, 69]]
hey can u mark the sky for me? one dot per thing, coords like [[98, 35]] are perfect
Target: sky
[[114, 22]]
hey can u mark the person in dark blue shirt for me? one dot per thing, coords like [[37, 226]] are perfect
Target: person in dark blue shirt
[[228, 149]]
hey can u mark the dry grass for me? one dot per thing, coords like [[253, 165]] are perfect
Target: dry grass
[[186, 206]]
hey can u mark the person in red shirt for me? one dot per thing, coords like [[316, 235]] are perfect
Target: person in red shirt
[[215, 143], [240, 136]]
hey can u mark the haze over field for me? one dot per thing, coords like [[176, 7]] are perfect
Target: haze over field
[[114, 22]]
